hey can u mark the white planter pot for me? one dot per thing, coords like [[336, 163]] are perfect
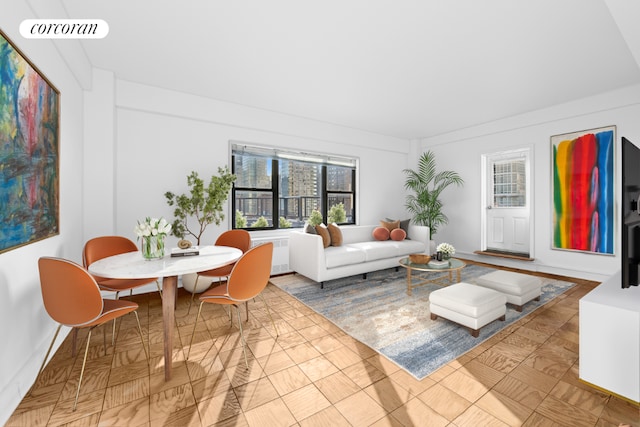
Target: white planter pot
[[189, 283]]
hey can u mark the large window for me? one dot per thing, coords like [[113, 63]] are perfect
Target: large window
[[280, 188]]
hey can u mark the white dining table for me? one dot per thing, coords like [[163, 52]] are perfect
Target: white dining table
[[132, 265]]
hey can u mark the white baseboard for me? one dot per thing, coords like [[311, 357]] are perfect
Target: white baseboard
[[534, 266]]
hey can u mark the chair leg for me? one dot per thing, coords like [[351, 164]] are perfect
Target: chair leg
[[230, 315], [242, 340], [269, 313], [193, 294], [46, 356], [159, 289], [194, 330], [141, 338], [84, 362], [113, 335], [191, 300]]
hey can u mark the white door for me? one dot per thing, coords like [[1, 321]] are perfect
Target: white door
[[507, 189]]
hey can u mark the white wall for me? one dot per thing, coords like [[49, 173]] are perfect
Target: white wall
[[161, 136], [461, 151], [26, 328], [99, 156]]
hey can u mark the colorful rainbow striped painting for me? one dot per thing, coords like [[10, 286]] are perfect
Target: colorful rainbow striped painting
[[583, 191], [29, 132]]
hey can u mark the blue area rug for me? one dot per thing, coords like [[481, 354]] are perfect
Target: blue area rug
[[378, 312]]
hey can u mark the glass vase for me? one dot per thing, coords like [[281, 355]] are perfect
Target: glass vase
[[152, 247]]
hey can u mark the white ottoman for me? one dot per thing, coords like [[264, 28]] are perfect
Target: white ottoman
[[468, 305], [518, 288]]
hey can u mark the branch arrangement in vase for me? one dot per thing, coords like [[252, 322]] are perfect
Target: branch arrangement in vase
[[205, 204]]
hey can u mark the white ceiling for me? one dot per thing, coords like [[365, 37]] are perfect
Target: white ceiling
[[404, 68]]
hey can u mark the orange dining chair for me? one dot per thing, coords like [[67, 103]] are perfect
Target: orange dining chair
[[240, 239], [106, 246], [72, 298], [247, 280]]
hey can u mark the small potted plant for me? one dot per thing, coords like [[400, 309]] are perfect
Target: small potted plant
[[337, 214], [314, 219], [261, 222], [284, 222], [241, 220]]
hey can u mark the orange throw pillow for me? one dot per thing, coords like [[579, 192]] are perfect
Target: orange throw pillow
[[398, 234], [335, 233], [323, 232], [380, 233]]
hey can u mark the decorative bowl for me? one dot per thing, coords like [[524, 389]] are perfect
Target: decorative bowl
[[419, 258]]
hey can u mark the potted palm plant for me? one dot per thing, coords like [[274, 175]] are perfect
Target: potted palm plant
[[427, 184]]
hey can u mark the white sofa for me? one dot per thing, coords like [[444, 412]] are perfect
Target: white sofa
[[359, 253]]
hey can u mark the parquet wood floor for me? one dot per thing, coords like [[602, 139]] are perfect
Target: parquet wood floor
[[313, 374]]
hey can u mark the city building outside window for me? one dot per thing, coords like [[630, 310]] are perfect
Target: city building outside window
[[509, 183], [277, 188]]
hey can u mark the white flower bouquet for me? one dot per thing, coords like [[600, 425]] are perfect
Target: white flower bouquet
[[446, 249], [152, 231], [152, 227]]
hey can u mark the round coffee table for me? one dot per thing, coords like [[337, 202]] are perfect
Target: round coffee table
[[441, 279]]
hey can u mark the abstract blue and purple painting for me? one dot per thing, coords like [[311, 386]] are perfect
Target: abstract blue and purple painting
[[29, 151]]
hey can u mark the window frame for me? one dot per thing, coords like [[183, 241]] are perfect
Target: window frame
[[276, 155]]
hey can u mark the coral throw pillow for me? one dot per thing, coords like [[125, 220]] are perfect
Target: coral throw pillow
[[390, 225], [380, 233], [398, 234], [335, 233], [323, 231]]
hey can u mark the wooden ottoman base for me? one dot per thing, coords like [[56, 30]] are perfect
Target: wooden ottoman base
[[474, 332]]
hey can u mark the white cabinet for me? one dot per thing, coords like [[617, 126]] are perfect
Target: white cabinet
[[610, 338]]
